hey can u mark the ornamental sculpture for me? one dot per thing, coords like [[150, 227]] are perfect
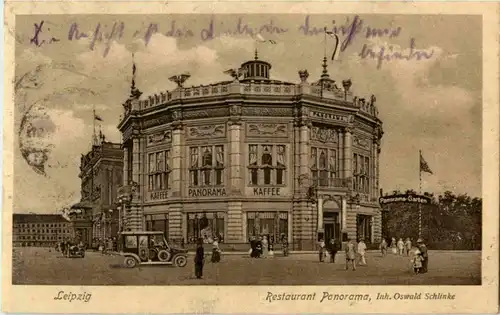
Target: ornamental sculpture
[[324, 134], [162, 137], [207, 131], [276, 130], [361, 142]]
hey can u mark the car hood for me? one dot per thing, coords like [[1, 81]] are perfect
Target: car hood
[[179, 250]]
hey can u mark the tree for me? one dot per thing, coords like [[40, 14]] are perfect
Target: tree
[[449, 222]]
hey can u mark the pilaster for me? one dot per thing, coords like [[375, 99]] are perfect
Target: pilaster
[[125, 166], [177, 141], [235, 222], [348, 153], [136, 159], [175, 223]]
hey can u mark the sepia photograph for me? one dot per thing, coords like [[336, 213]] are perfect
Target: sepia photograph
[[250, 149]]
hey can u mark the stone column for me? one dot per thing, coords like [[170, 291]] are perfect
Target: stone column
[[308, 230], [177, 134], [374, 170], [136, 163], [320, 214], [234, 211], [343, 225], [125, 166], [175, 208], [348, 153]]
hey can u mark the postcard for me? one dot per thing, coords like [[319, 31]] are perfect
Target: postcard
[[251, 157]]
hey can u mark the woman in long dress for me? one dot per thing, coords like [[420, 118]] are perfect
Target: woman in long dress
[[265, 247], [393, 246]]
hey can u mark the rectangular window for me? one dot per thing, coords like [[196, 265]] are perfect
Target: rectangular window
[[159, 170], [324, 166], [361, 173], [267, 164], [207, 165], [207, 226], [157, 222], [273, 225]]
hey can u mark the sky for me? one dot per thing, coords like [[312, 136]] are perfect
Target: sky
[[66, 65]]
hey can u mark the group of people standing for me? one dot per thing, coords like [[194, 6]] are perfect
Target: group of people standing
[[199, 257], [420, 259], [353, 252], [402, 248], [261, 247]]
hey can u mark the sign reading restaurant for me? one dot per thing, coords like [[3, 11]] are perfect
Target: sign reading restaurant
[[206, 192]]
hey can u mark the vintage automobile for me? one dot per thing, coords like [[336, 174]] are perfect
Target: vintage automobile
[[75, 251], [150, 248]]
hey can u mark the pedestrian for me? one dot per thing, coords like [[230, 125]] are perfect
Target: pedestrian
[[334, 248], [417, 262], [253, 247], [408, 246], [258, 247], [401, 246], [199, 259], [425, 255], [321, 249], [265, 247], [362, 251], [271, 249], [393, 246], [350, 255], [215, 251], [383, 247]]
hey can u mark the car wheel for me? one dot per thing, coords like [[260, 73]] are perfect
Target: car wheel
[[130, 262], [180, 261], [164, 255]]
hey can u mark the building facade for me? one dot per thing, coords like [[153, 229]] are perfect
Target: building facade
[[101, 173], [40, 230], [253, 156]]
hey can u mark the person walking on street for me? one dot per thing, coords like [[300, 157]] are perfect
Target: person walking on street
[[199, 259], [425, 255], [362, 252], [383, 247], [321, 250], [401, 247], [333, 249], [408, 246], [350, 255]]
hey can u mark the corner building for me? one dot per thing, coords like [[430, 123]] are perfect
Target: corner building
[[253, 156]]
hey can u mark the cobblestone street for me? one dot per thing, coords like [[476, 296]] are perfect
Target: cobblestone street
[[38, 266]]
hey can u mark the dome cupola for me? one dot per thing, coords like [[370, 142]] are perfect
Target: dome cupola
[[256, 69]]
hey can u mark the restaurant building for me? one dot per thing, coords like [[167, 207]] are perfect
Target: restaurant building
[[101, 173], [253, 156]]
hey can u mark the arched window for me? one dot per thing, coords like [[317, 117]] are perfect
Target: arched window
[[267, 164]]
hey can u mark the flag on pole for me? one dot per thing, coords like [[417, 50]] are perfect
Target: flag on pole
[[261, 39], [424, 167], [333, 35], [97, 117]]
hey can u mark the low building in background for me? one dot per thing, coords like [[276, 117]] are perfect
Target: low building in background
[[40, 230]]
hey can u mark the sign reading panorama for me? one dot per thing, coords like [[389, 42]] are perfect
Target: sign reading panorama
[[407, 198]]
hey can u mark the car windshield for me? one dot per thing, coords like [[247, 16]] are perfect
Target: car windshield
[[158, 240]]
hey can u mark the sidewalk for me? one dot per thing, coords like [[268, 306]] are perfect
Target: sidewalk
[[280, 253]]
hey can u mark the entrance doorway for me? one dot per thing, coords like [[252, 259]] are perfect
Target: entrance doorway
[[331, 225]]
